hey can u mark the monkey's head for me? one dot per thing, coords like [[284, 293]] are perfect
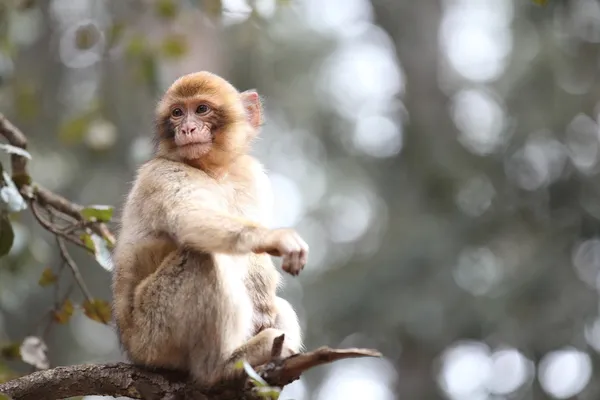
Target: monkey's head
[[204, 121]]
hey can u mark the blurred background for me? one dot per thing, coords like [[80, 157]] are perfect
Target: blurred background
[[440, 157]]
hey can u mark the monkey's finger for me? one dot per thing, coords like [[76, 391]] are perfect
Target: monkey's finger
[[292, 264], [302, 252], [304, 246], [295, 262], [300, 243], [285, 264], [303, 258]]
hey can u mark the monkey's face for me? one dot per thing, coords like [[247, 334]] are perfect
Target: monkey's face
[[203, 118], [192, 125]]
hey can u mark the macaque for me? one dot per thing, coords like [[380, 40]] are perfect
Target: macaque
[[194, 286]]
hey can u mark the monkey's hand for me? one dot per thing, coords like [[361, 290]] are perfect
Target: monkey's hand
[[288, 244]]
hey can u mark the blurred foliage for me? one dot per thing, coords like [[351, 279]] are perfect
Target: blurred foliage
[[98, 310], [48, 277], [7, 235], [440, 157]]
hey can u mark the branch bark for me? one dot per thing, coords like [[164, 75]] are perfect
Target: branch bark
[[122, 379]]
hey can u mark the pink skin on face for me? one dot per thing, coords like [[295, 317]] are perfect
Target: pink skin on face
[[192, 136]]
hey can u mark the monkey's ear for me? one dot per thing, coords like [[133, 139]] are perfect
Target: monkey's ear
[[253, 106]]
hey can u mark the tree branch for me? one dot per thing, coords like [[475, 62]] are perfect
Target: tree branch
[[139, 383], [35, 192]]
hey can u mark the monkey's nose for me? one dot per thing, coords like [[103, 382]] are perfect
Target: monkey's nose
[[188, 131]]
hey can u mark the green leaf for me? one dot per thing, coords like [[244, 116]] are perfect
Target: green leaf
[[268, 392], [136, 46], [101, 251], [21, 179], [239, 364], [10, 149], [213, 8], [148, 72], [26, 100], [98, 245], [115, 33], [73, 130], [98, 213], [11, 351], [97, 310], [88, 242], [63, 315], [254, 376], [166, 9], [174, 46], [48, 277], [7, 235], [6, 375]]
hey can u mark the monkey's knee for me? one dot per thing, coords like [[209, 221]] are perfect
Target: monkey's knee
[[287, 321]]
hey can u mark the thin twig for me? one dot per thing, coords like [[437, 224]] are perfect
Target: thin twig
[[72, 228], [71, 264], [57, 284], [49, 227], [38, 324], [73, 210]]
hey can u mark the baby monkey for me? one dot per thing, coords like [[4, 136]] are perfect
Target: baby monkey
[[194, 287]]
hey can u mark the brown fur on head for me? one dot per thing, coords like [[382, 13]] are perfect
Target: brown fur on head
[[204, 121]]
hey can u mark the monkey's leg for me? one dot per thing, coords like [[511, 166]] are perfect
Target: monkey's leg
[[257, 351], [287, 321], [192, 313], [154, 337], [222, 316]]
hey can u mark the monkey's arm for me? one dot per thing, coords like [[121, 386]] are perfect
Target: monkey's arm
[[207, 229], [186, 206], [212, 231]]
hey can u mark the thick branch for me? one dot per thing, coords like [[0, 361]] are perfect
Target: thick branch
[[135, 382]]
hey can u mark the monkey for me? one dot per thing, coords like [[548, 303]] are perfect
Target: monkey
[[194, 286]]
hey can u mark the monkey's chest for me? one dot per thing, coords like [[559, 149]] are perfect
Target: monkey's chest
[[247, 203]]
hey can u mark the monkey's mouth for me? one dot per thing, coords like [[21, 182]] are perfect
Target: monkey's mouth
[[188, 145], [195, 150]]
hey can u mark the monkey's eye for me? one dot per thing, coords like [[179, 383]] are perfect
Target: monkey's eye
[[202, 109], [177, 112]]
